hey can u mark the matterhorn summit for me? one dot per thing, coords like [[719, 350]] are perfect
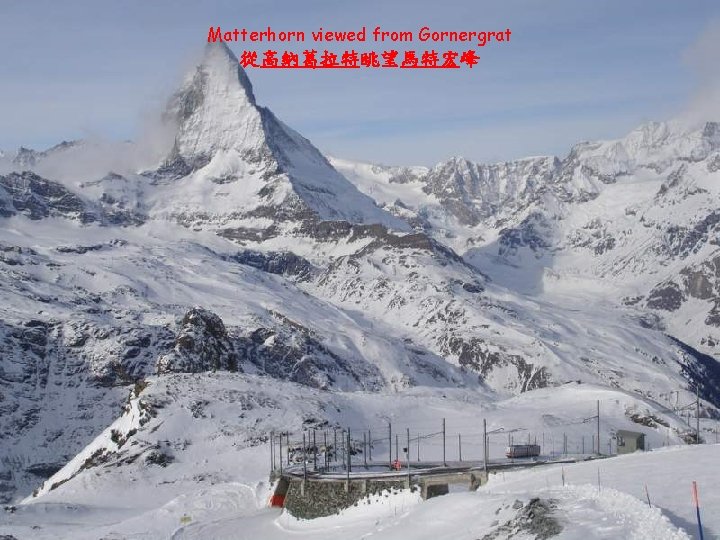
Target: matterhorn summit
[[223, 137]]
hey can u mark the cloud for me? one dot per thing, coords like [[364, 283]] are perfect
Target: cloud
[[704, 60]]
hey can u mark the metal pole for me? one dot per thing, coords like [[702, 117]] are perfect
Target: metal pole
[[370, 445], [418, 436], [326, 449], [390, 443], [485, 447], [272, 451], [304, 457], [349, 454], [287, 446], [344, 450], [397, 445], [697, 414], [314, 452], [408, 456], [335, 446], [365, 449], [443, 433], [460, 446], [598, 427], [349, 457], [288, 451]]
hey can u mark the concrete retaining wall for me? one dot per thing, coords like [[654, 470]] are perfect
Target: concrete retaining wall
[[313, 498]]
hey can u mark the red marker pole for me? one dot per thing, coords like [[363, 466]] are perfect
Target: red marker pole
[[696, 502]]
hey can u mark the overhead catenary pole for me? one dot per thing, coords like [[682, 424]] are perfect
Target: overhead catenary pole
[[365, 449], [349, 454], [407, 455], [460, 446], [304, 457], [315, 453], [390, 444], [443, 434], [287, 446], [370, 445], [344, 450], [326, 449], [485, 447], [335, 446], [272, 451], [348, 457], [598, 427], [418, 448], [397, 447], [288, 451]]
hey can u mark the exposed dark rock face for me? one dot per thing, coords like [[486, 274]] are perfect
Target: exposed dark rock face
[[61, 382], [700, 281], [475, 354], [593, 236], [292, 352], [533, 520], [36, 197], [702, 372], [282, 263], [532, 233], [667, 297], [201, 345]]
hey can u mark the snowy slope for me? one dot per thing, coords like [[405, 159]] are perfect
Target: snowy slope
[[189, 458]]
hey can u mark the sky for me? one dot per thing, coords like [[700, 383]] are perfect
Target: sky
[[572, 71]]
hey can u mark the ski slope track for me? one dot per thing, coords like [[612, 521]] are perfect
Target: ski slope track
[[167, 304]]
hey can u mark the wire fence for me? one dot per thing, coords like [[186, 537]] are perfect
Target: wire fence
[[333, 449]]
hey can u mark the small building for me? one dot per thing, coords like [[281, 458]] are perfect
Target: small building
[[629, 441]]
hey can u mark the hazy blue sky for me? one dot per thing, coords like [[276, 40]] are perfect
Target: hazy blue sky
[[574, 70]]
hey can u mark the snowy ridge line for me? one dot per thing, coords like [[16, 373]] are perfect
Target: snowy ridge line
[[110, 440]]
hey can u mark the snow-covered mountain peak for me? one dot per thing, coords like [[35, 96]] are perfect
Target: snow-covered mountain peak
[[235, 160], [215, 109]]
